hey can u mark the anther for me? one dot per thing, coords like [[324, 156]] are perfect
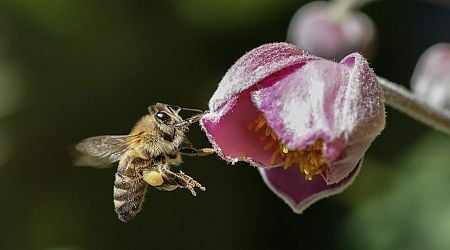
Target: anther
[[267, 132], [274, 157], [287, 161], [260, 125], [309, 159], [269, 145]]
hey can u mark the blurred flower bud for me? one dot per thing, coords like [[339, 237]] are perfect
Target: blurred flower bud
[[431, 78], [330, 31]]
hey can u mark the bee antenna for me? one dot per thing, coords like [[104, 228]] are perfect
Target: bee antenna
[[192, 119], [192, 110], [175, 108]]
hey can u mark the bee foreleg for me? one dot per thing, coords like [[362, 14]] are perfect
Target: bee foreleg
[[182, 180], [191, 120], [196, 151]]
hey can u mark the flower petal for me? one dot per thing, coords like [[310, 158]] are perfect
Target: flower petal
[[231, 109], [291, 186], [227, 128], [253, 67], [341, 104]]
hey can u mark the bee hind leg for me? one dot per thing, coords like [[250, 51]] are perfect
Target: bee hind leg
[[153, 178], [181, 180]]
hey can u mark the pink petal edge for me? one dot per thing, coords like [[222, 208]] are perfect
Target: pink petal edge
[[324, 190], [253, 67]]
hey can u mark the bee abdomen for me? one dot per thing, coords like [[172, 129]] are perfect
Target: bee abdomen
[[129, 194]]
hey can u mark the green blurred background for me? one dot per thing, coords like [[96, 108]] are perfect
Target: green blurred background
[[70, 69]]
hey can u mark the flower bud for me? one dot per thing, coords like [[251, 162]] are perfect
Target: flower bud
[[431, 77], [330, 32]]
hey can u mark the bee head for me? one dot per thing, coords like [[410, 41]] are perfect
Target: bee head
[[165, 115]]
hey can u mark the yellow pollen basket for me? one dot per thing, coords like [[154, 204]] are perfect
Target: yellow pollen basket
[[309, 159]]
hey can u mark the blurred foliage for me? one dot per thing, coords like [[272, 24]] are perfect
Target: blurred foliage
[[219, 15], [11, 90], [5, 144], [70, 69], [65, 17], [411, 209]]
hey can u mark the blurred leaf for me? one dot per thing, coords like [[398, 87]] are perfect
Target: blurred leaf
[[5, 144], [59, 17], [228, 14], [366, 185], [11, 90], [64, 248], [60, 231], [415, 213]]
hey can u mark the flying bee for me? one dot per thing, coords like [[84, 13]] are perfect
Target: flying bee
[[145, 156]]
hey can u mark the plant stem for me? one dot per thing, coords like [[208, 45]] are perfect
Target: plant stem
[[400, 98]]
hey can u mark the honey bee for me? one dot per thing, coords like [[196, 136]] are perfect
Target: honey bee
[[145, 156]]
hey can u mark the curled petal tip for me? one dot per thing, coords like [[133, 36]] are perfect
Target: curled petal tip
[[299, 193]]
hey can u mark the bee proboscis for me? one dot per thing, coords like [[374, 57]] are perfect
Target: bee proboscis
[[145, 156]]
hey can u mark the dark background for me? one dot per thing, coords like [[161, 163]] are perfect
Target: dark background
[[70, 69]]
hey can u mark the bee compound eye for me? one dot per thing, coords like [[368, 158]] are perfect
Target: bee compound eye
[[163, 117]]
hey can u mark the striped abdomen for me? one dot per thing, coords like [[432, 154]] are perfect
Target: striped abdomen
[[129, 194]]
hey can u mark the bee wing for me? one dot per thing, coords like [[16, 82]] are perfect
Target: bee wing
[[101, 151]]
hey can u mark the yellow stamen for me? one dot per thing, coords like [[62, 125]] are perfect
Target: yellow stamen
[[268, 131], [261, 123], [269, 145], [287, 161], [274, 157], [309, 159], [272, 134]]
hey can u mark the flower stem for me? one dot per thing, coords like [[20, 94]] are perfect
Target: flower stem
[[400, 98]]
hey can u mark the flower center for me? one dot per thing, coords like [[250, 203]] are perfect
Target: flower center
[[309, 159]]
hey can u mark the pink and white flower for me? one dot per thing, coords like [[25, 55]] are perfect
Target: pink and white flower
[[305, 121], [431, 78]]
